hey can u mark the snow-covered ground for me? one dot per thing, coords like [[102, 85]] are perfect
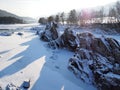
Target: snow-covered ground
[[15, 26], [27, 58]]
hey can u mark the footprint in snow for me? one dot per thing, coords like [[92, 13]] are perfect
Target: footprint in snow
[[57, 67], [54, 57]]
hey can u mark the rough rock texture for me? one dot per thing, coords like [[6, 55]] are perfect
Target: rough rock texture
[[50, 32], [96, 60]]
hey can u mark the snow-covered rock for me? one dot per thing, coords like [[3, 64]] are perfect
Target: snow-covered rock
[[95, 60], [12, 87], [68, 39], [50, 32], [6, 33], [26, 84]]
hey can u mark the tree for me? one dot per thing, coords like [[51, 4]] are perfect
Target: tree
[[101, 14], [118, 10], [50, 19], [73, 18], [81, 18], [42, 20], [112, 14], [10, 20], [57, 18], [62, 17]]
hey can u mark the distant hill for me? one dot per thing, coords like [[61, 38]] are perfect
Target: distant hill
[[4, 14], [7, 14]]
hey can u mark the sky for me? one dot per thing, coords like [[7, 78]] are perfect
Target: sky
[[39, 8]]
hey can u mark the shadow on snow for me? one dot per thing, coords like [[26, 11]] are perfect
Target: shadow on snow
[[29, 55]]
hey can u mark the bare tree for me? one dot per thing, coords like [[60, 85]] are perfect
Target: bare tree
[[118, 10], [62, 17], [112, 15], [73, 18], [57, 19], [102, 14]]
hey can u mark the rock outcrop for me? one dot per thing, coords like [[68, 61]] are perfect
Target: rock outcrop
[[50, 32], [96, 60], [68, 40]]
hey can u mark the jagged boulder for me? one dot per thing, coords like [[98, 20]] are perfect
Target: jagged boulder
[[96, 69], [107, 47], [79, 64], [68, 39], [50, 32], [97, 61]]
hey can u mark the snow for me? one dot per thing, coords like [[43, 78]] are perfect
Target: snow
[[27, 58], [15, 26], [113, 75]]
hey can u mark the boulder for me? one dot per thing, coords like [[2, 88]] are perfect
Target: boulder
[[12, 87], [50, 32], [26, 84], [68, 39]]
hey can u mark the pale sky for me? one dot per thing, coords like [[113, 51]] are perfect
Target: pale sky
[[38, 8]]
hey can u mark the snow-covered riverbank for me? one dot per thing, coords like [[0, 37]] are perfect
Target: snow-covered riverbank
[[26, 57]]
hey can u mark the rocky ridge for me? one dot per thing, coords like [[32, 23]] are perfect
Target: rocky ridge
[[96, 60]]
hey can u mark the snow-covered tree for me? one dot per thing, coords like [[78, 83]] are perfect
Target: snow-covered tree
[[42, 20]]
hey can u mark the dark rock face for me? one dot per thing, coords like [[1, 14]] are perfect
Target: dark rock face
[[50, 32]]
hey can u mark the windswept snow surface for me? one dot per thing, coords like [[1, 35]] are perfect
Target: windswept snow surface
[[27, 58]]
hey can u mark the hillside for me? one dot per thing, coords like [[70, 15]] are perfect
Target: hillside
[[5, 14]]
